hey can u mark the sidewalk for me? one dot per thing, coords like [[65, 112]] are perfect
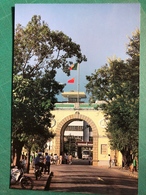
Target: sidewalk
[[127, 171], [40, 184]]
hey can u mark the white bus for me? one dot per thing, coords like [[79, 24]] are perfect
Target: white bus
[[86, 154]]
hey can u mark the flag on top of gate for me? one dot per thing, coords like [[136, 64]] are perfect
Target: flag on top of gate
[[71, 80], [73, 66]]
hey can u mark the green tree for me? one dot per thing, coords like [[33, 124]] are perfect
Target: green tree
[[70, 144], [117, 83], [38, 53]]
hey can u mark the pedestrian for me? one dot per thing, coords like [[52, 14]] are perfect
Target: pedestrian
[[70, 159], [114, 161], [131, 167], [38, 161], [47, 163], [60, 159], [134, 165], [66, 158], [23, 164], [90, 159], [31, 159], [109, 159], [123, 163]]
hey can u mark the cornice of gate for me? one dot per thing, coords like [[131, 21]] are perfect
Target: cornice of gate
[[76, 116]]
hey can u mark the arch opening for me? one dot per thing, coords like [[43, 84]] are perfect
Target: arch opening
[[89, 137]]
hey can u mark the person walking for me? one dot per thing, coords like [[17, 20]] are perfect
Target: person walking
[[60, 159], [134, 165], [47, 163], [66, 158], [90, 159], [109, 158], [70, 159], [38, 162]]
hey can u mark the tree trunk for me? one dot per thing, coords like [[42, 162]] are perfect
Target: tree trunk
[[14, 157], [19, 152], [28, 160], [17, 149]]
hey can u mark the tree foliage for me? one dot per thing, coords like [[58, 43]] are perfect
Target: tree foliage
[[38, 53], [69, 145], [117, 83]]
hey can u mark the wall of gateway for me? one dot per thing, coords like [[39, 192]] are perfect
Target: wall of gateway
[[95, 119]]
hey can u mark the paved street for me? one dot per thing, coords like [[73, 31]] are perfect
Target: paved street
[[87, 179], [40, 184]]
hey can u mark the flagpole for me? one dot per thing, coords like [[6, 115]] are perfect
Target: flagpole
[[78, 85]]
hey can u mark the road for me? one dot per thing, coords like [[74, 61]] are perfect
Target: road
[[84, 178]]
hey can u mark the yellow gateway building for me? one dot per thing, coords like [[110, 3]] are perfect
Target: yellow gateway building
[[79, 126]]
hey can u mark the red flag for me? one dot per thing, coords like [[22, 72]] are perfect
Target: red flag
[[71, 80], [73, 66]]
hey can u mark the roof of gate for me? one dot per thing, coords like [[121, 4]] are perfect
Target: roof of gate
[[73, 94]]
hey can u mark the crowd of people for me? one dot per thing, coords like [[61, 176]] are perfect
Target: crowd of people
[[68, 159], [44, 161], [130, 164]]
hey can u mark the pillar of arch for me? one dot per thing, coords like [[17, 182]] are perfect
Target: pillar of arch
[[65, 122]]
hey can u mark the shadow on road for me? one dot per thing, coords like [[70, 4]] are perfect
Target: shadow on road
[[81, 178]]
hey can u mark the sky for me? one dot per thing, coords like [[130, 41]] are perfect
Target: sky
[[101, 30]]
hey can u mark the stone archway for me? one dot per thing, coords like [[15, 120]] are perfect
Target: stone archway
[[77, 116]]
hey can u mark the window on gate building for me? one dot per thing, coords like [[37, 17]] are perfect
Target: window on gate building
[[104, 149]]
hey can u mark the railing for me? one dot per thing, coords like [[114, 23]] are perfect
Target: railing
[[73, 106]]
